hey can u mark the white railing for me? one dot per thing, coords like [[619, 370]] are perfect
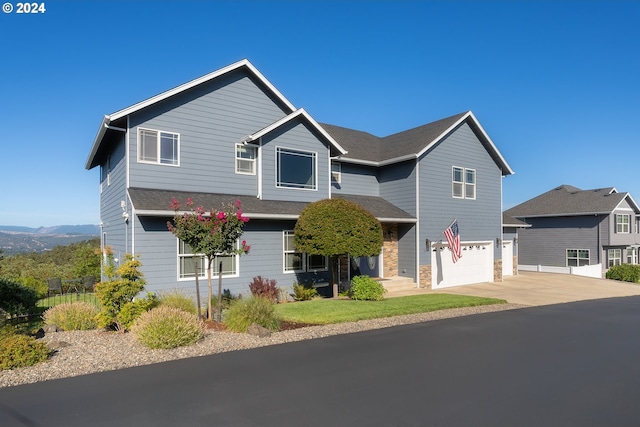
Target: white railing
[[586, 270]]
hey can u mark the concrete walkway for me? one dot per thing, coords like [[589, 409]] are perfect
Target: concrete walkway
[[534, 289]]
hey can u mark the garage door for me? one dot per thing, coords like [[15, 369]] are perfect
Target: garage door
[[507, 258], [475, 265]]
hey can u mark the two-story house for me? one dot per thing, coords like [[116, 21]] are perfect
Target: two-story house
[[231, 135], [578, 231]]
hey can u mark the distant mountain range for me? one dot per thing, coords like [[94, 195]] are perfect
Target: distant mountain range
[[16, 239]]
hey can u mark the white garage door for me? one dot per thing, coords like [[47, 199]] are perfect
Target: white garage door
[[475, 265], [507, 258]]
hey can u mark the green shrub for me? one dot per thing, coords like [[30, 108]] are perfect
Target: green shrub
[[124, 284], [134, 309], [244, 312], [18, 351], [624, 272], [364, 288], [15, 298], [302, 292], [76, 316], [39, 286], [227, 299], [178, 300], [263, 287], [167, 327]]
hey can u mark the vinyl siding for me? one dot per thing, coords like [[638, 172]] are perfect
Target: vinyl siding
[[296, 136], [547, 241], [407, 250], [479, 219], [357, 179], [210, 120], [112, 194], [398, 185], [158, 251], [618, 239]]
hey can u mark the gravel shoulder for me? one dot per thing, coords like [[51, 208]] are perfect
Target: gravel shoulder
[[85, 352]]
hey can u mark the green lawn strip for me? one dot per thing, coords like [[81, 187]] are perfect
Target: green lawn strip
[[67, 298], [323, 312]]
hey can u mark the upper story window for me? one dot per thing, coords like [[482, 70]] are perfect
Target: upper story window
[[158, 147], [246, 159], [463, 183], [577, 257], [295, 169], [623, 223], [336, 172]]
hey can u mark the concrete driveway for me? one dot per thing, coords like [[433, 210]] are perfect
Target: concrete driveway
[[535, 289]]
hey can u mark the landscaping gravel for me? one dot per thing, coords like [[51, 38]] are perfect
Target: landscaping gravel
[[84, 352]]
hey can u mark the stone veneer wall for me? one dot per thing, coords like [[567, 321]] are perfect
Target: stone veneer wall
[[497, 270], [390, 249], [515, 265], [425, 276]]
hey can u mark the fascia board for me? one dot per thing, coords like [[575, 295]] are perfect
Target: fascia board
[[170, 213], [200, 80], [288, 118], [399, 220], [561, 214], [633, 203], [96, 142], [470, 114], [382, 163]]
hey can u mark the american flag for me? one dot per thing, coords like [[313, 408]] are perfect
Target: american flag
[[453, 238]]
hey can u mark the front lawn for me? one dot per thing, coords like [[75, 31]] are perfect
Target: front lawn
[[327, 311]]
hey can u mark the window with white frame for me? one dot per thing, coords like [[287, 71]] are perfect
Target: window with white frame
[[577, 257], [336, 172], [614, 257], [623, 223], [246, 159], [188, 262], [158, 147], [463, 183], [295, 169], [295, 261]]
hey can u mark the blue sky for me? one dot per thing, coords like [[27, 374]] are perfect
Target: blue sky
[[556, 85]]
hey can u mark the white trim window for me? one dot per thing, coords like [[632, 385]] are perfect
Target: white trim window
[[187, 268], [623, 222], [158, 147], [300, 262], [614, 257], [336, 172], [463, 183], [246, 156], [293, 260], [577, 257], [296, 169]]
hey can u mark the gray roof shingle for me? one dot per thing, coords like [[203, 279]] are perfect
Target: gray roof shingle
[[157, 203], [567, 200]]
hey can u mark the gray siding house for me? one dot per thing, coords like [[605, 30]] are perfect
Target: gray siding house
[[578, 231], [231, 135]]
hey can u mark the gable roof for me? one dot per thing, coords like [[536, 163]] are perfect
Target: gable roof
[[567, 200], [368, 149], [298, 113], [151, 202], [511, 222], [108, 119]]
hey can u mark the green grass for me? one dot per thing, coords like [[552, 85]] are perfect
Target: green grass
[[324, 312], [67, 298]]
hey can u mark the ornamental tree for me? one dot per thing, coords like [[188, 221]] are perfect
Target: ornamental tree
[[334, 227], [215, 233]]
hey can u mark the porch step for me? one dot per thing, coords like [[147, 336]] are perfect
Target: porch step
[[397, 284]]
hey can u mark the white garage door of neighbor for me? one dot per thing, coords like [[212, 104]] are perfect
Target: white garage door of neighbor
[[507, 258], [475, 265]]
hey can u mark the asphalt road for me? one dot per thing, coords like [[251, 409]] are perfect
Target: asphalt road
[[572, 364]]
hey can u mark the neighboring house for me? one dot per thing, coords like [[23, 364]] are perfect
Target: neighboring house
[[510, 229], [232, 135], [579, 231]]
